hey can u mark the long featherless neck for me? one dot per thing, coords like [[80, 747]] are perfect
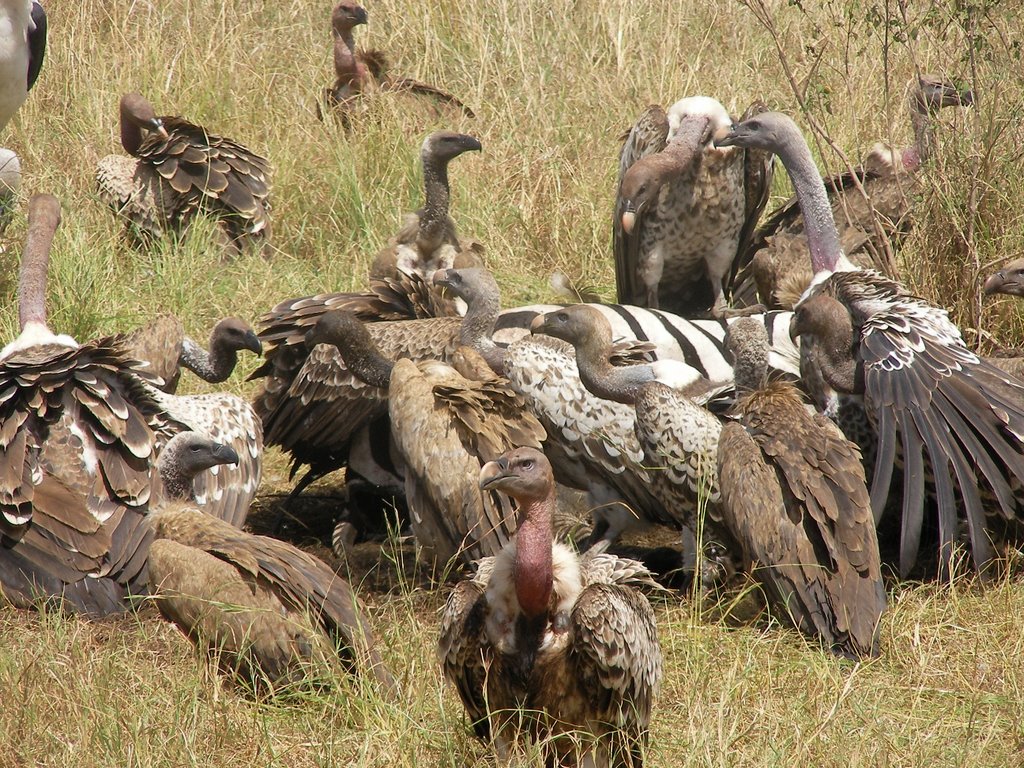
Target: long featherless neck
[[131, 132], [346, 67], [177, 486], [359, 352], [214, 365], [478, 324], [921, 123], [620, 384], [533, 571], [437, 196], [43, 220], [820, 226]]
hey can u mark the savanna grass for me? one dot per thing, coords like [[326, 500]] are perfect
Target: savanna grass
[[553, 84]]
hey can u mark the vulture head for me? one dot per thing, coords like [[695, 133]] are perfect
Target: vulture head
[[348, 334], [233, 335], [768, 131], [522, 473], [828, 342], [443, 146], [467, 284], [1008, 280], [746, 341], [138, 115], [930, 93], [185, 456], [577, 324], [347, 15]]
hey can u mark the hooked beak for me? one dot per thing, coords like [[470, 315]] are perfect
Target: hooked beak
[[252, 342], [361, 17], [492, 473], [629, 218], [730, 138], [537, 325], [997, 283], [794, 329], [158, 126], [225, 454], [440, 277]]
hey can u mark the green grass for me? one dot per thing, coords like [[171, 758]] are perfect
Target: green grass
[[553, 85]]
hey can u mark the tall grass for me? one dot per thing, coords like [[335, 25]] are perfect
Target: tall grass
[[553, 85]]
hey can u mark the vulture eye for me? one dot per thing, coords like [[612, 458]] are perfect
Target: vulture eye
[[528, 464]]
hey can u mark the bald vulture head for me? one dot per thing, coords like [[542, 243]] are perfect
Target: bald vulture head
[[828, 340], [930, 93], [522, 473], [347, 15], [232, 334], [138, 112], [694, 123], [467, 283], [576, 324], [746, 340], [1008, 280], [768, 131], [185, 456], [446, 145]]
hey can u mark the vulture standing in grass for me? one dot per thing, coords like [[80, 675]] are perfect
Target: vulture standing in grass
[[312, 405], [22, 45], [933, 403], [427, 240], [267, 608], [685, 209], [164, 345], [794, 496], [357, 71], [675, 439], [543, 643], [177, 171], [447, 421], [78, 433], [777, 254]]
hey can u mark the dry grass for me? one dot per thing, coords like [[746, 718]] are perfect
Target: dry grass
[[553, 84]]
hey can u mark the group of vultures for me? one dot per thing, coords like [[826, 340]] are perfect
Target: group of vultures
[[766, 388]]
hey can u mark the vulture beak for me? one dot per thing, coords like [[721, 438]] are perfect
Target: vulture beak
[[629, 218], [730, 138], [361, 17], [537, 325], [440, 278], [492, 473], [995, 283], [225, 454], [158, 126], [794, 329], [252, 342]]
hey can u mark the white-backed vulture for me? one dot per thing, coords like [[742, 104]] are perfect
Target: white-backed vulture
[[685, 209], [175, 171], [313, 407], [777, 252], [931, 401], [164, 345], [356, 71], [795, 498], [428, 240], [78, 433], [544, 643], [22, 47], [263, 606], [447, 420]]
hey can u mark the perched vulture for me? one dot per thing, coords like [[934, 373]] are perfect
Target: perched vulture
[[362, 70], [312, 405], [447, 421], [22, 45], [78, 436], [794, 496], [427, 240], [263, 606], [934, 405], [685, 209], [163, 344], [777, 252], [548, 645], [176, 171]]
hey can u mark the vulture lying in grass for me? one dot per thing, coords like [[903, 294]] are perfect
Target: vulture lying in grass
[[685, 209], [447, 421], [78, 433], [177, 171], [427, 240], [794, 496], [777, 253], [163, 344], [22, 46], [357, 71], [267, 609], [545, 644], [938, 411], [314, 407]]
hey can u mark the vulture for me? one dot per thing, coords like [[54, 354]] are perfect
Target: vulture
[[447, 421], [685, 209], [1008, 281], [777, 252], [313, 407], [266, 608], [933, 404], [22, 46], [176, 171], [10, 184], [357, 71], [163, 344], [662, 435], [427, 240], [78, 433], [545, 644], [794, 496]]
